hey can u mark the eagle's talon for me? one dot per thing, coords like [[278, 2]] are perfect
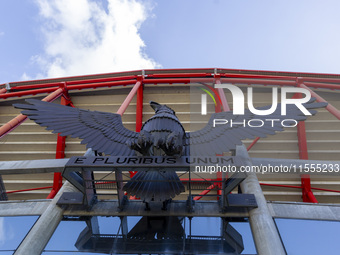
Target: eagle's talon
[[142, 143]]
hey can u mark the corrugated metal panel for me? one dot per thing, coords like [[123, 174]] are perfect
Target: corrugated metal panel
[[30, 141]]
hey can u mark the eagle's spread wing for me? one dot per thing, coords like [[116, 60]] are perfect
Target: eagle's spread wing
[[212, 140], [101, 131]]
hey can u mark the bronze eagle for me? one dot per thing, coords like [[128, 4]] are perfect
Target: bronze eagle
[[161, 135]]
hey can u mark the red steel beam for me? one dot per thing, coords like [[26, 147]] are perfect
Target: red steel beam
[[307, 194], [329, 190], [129, 97], [125, 105], [57, 177], [78, 85], [71, 87], [139, 109], [139, 116], [203, 193], [60, 153], [297, 187], [16, 121], [178, 75], [253, 143], [193, 73], [77, 82], [23, 190], [223, 80], [329, 107], [3, 91], [221, 94], [26, 93], [322, 85]]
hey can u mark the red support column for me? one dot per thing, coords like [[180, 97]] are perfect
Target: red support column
[[136, 88], [60, 152], [139, 115], [307, 194], [220, 91], [139, 108]]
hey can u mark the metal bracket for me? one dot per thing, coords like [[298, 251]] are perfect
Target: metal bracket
[[71, 198], [241, 201], [190, 204]]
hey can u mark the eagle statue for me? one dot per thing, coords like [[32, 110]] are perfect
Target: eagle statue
[[161, 135]]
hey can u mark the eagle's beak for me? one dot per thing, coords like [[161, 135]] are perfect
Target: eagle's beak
[[155, 105]]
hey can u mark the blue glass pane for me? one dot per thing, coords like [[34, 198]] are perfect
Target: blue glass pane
[[65, 236], [309, 237], [67, 233], [205, 233], [244, 229], [210, 226], [13, 230], [7, 252]]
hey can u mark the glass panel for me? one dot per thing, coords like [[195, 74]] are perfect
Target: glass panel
[[65, 236], [151, 235], [244, 229], [210, 226], [13, 230], [309, 236], [68, 233]]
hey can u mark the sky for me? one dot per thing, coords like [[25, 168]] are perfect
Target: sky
[[50, 38]]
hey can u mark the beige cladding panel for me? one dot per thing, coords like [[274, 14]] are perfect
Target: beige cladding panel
[[30, 141]]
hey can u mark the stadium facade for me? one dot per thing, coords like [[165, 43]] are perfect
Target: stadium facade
[[219, 212]]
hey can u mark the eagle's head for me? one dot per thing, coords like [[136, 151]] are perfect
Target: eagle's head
[[159, 108]]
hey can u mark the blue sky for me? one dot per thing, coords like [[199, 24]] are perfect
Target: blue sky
[[40, 38]]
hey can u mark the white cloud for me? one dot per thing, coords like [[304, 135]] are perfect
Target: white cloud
[[6, 231], [84, 37], [2, 231]]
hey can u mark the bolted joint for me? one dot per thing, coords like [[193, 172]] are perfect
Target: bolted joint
[[65, 94], [299, 81], [140, 78]]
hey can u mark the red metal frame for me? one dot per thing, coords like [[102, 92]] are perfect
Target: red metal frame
[[129, 98], [171, 76], [297, 187], [329, 107], [307, 193], [253, 143], [24, 190], [205, 192], [139, 115], [60, 152], [16, 121], [139, 109]]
